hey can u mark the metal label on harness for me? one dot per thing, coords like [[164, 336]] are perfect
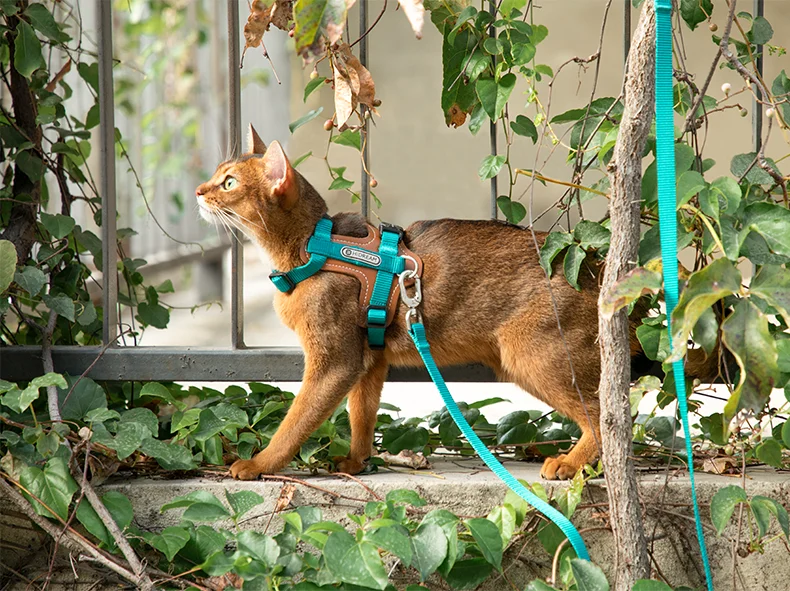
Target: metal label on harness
[[362, 256]]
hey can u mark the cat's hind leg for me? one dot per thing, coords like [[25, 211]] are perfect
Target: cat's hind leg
[[539, 364], [363, 406]]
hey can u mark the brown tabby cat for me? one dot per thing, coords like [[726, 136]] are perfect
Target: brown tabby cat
[[485, 300]]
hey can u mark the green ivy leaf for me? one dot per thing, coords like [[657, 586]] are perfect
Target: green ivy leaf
[[689, 184], [8, 265], [781, 89], [695, 11], [706, 331], [459, 58], [154, 315], [723, 504], [144, 417], [197, 496], [745, 333], [312, 86], [491, 166], [449, 524], [589, 577], [86, 396], [524, 126], [629, 288], [504, 517], [128, 439], [756, 175], [53, 485], [538, 585], [395, 540], [645, 585], [469, 573], [43, 21], [786, 434], [516, 427], [396, 439], [314, 18], [764, 507], [27, 50], [293, 126], [554, 244], [356, 563], [488, 540], [406, 496], [571, 265], [770, 452], [704, 288], [243, 501], [772, 222], [260, 546], [58, 225], [494, 95], [31, 279], [119, 507], [429, 549], [591, 234], [513, 210], [352, 139], [169, 541], [772, 284], [61, 304], [168, 455], [762, 31]]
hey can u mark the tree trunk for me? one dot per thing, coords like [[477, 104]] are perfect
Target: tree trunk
[[625, 174], [27, 192]]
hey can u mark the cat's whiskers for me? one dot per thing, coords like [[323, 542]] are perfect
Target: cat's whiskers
[[241, 217]]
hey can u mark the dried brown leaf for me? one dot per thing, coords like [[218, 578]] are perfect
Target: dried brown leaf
[[366, 90], [50, 87], [285, 498], [257, 23], [345, 101], [720, 465], [456, 116], [415, 12], [406, 458], [282, 14]]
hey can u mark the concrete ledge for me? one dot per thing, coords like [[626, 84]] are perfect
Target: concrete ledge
[[467, 488]]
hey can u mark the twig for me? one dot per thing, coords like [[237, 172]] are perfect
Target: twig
[[109, 522], [556, 560], [370, 28], [70, 539], [46, 354]]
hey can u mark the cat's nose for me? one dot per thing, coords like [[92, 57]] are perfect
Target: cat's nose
[[198, 193]]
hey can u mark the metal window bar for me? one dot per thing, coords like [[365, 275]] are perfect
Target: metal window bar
[[107, 172], [204, 364]]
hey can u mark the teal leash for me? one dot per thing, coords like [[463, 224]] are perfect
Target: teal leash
[[667, 221], [417, 332]]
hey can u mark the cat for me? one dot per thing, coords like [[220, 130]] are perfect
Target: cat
[[485, 300]]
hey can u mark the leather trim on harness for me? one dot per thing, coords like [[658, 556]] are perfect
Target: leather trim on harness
[[367, 275]]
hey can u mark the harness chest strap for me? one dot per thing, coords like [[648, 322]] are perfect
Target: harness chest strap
[[375, 260]]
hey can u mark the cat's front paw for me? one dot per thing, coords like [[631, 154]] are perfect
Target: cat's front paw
[[558, 469], [348, 465], [245, 470]]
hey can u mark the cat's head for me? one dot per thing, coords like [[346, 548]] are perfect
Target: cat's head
[[258, 191]]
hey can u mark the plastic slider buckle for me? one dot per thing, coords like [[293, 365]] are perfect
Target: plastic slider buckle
[[379, 316], [282, 281], [391, 228]]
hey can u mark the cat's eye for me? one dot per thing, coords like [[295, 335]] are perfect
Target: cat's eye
[[229, 183]]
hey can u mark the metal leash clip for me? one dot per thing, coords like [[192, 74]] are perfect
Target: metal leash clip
[[412, 302]]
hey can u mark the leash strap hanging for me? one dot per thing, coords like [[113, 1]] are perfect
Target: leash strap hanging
[[667, 221], [417, 332]]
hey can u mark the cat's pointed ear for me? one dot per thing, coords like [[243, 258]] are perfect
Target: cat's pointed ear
[[255, 144], [281, 175]]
